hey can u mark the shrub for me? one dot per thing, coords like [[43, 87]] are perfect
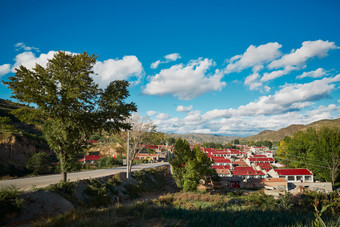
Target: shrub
[[9, 201], [39, 163]]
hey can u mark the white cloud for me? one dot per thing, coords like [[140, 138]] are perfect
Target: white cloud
[[252, 81], [184, 108], [155, 64], [162, 116], [29, 60], [4, 69], [300, 56], [186, 81], [118, 69], [275, 74], [320, 72], [20, 46], [172, 57], [112, 69], [169, 58], [254, 57], [151, 113]]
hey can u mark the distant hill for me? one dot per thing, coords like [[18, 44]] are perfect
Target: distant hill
[[202, 138], [290, 130]]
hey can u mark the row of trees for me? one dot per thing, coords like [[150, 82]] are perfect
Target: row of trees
[[317, 150]]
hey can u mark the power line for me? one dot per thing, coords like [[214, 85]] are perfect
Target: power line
[[306, 163]]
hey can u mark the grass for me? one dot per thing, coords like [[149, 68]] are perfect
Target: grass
[[198, 209]]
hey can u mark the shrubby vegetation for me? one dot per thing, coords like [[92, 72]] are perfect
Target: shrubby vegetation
[[190, 166], [317, 150], [9, 201], [203, 209]]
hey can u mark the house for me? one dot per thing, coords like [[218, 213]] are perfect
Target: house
[[219, 161], [292, 175], [148, 157], [250, 161], [247, 172], [90, 158], [263, 166], [279, 184], [222, 171]]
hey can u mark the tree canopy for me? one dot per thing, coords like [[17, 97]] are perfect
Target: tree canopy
[[189, 166], [317, 150], [71, 104]]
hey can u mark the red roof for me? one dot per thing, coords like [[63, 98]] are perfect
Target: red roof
[[258, 156], [91, 158], [221, 167], [247, 173], [221, 160], [240, 168], [286, 172], [261, 159]]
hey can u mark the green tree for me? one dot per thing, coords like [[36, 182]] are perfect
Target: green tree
[[317, 150], [70, 103], [189, 166], [39, 163]]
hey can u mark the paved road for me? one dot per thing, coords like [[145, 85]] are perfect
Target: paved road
[[26, 184]]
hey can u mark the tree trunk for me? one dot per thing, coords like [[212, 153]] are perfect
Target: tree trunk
[[62, 168]]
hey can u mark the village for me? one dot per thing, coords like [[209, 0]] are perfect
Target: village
[[247, 167]]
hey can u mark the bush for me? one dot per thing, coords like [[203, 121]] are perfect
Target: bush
[[9, 201], [39, 163]]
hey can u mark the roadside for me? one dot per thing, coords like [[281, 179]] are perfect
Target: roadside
[[27, 184]]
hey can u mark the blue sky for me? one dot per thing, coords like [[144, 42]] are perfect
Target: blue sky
[[219, 67]]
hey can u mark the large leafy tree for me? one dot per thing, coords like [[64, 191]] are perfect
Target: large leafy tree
[[71, 103], [318, 150]]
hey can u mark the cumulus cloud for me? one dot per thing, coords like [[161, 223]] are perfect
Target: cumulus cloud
[[254, 57], [4, 69], [29, 60], [299, 57], [184, 108], [168, 58], [151, 113], [118, 69], [278, 73], [22, 46], [320, 72], [172, 57], [162, 116], [186, 81], [112, 69]]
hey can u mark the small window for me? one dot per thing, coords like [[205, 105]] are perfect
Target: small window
[[308, 178], [299, 178], [291, 178]]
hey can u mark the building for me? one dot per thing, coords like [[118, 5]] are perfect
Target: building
[[292, 175]]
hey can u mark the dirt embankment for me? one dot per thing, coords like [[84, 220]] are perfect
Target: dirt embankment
[[99, 192], [16, 149]]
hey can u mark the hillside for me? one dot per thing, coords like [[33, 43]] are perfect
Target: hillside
[[290, 130], [202, 138]]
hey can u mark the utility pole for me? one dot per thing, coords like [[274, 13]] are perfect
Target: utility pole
[[127, 156]]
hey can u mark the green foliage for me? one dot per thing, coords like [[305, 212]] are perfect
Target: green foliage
[[62, 187], [109, 162], [189, 166], [70, 103], [39, 163], [318, 151], [98, 192], [262, 201], [9, 201]]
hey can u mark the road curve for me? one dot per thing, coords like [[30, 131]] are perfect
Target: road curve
[[26, 184]]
